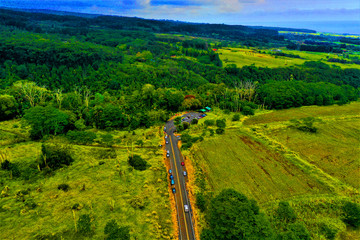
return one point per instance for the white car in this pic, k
(186, 208)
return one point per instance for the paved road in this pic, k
(186, 229)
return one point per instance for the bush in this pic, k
(209, 123)
(84, 224)
(247, 111)
(65, 187)
(220, 131)
(211, 132)
(352, 214)
(285, 212)
(236, 117)
(304, 124)
(137, 162)
(220, 123)
(328, 231)
(200, 202)
(186, 146)
(194, 121)
(11, 167)
(55, 156)
(81, 137)
(115, 232)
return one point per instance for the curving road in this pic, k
(186, 229)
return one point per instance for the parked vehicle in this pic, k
(171, 177)
(172, 182)
(173, 190)
(170, 171)
(168, 155)
(182, 164)
(185, 174)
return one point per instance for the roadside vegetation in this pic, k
(300, 165)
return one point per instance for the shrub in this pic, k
(186, 145)
(247, 111)
(137, 202)
(84, 224)
(11, 167)
(54, 156)
(137, 162)
(236, 117)
(209, 123)
(115, 232)
(328, 231)
(285, 212)
(81, 137)
(200, 202)
(220, 123)
(65, 187)
(304, 124)
(211, 132)
(220, 131)
(194, 121)
(352, 214)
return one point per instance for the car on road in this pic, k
(173, 190)
(172, 182)
(186, 208)
(185, 173)
(170, 171)
(171, 177)
(182, 164)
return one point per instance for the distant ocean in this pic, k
(341, 27)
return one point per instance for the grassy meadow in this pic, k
(264, 158)
(102, 185)
(244, 57)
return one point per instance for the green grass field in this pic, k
(244, 57)
(103, 187)
(266, 160)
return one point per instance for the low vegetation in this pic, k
(291, 162)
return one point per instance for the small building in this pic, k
(202, 110)
(208, 109)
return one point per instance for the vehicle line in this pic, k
(178, 182)
(177, 209)
(187, 199)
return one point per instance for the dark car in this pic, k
(173, 190)
(171, 177)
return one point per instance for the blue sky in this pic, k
(247, 12)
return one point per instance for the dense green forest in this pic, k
(101, 68)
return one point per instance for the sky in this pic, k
(286, 13)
